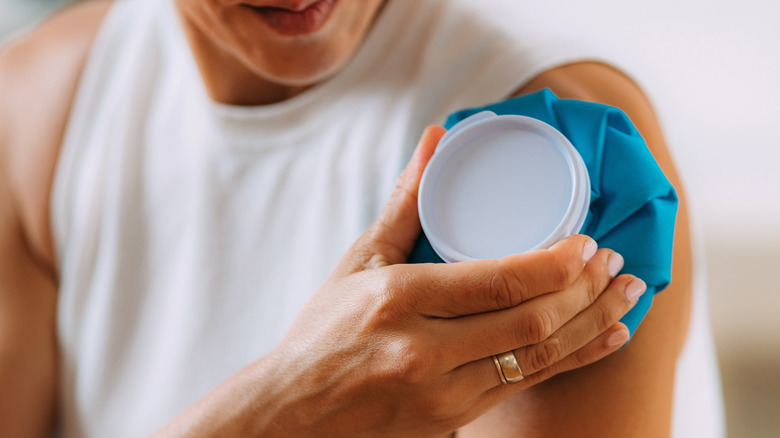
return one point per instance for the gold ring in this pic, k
(508, 369)
(498, 367)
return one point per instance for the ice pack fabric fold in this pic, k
(632, 205)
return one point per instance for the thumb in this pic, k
(390, 239)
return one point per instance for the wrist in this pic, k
(248, 404)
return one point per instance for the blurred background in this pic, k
(712, 69)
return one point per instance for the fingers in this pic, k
(391, 237)
(484, 372)
(590, 336)
(616, 301)
(533, 322)
(602, 346)
(586, 338)
(468, 288)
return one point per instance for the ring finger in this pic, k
(568, 342)
(484, 377)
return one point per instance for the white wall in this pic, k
(15, 14)
(712, 69)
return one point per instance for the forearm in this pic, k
(265, 399)
(244, 405)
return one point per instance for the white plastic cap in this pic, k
(502, 185)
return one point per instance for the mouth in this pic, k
(295, 19)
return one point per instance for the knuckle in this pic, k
(579, 359)
(567, 269)
(595, 280)
(593, 288)
(408, 363)
(537, 327)
(385, 315)
(386, 303)
(396, 281)
(571, 267)
(384, 281)
(502, 284)
(546, 354)
(605, 317)
(369, 250)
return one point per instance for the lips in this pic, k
(295, 18)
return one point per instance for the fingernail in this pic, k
(618, 338)
(589, 250)
(614, 264)
(635, 289)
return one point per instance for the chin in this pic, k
(292, 43)
(297, 61)
(299, 71)
(317, 53)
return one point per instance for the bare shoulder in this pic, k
(39, 71)
(39, 74)
(635, 385)
(597, 82)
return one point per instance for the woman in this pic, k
(206, 165)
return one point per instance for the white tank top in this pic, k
(189, 234)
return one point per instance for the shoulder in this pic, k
(602, 83)
(637, 383)
(51, 56)
(39, 75)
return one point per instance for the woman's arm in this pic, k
(38, 77)
(27, 333)
(385, 348)
(628, 394)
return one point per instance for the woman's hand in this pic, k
(406, 349)
(389, 349)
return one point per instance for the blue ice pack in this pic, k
(632, 204)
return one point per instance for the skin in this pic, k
(244, 63)
(629, 393)
(426, 391)
(38, 79)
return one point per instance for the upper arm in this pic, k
(27, 329)
(39, 73)
(630, 392)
